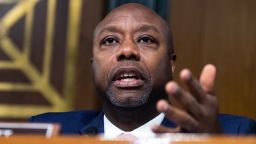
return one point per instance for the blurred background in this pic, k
(45, 51)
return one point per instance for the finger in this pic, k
(180, 117)
(187, 101)
(193, 85)
(162, 129)
(207, 78)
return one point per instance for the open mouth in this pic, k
(128, 78)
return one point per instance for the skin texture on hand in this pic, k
(200, 107)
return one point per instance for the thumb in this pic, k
(207, 78)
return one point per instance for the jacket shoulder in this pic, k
(232, 124)
(71, 122)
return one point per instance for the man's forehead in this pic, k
(124, 15)
(132, 9)
(137, 17)
(124, 20)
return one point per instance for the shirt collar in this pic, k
(111, 131)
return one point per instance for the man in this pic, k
(133, 61)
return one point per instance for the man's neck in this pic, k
(129, 119)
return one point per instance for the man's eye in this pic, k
(110, 41)
(146, 40)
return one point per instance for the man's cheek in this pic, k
(102, 76)
(98, 73)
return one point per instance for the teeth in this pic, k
(127, 76)
(128, 79)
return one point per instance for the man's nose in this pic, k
(128, 51)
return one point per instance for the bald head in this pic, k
(138, 12)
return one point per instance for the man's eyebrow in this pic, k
(145, 28)
(112, 28)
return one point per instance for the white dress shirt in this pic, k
(111, 131)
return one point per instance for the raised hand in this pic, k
(199, 110)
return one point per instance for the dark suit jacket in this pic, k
(91, 122)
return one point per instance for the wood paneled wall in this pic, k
(92, 13)
(222, 32)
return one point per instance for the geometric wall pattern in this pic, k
(38, 46)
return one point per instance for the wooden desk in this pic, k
(223, 140)
(34, 139)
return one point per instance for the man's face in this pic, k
(130, 57)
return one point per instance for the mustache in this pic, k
(130, 65)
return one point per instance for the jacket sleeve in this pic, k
(237, 125)
(247, 126)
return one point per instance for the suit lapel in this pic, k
(96, 126)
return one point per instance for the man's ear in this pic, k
(173, 61)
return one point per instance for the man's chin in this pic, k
(128, 99)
